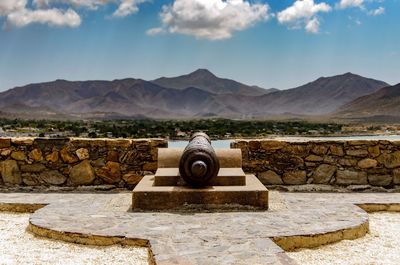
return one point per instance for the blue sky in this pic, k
(274, 43)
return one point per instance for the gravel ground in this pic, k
(19, 247)
(381, 246)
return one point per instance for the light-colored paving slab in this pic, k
(294, 220)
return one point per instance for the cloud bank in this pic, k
(21, 13)
(210, 19)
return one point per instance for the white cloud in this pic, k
(128, 7)
(53, 17)
(125, 7)
(303, 13)
(377, 12)
(8, 6)
(18, 13)
(312, 26)
(210, 19)
(343, 4)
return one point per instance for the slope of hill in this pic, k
(383, 103)
(207, 81)
(321, 96)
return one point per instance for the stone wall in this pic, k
(73, 162)
(353, 164)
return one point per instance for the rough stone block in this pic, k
(296, 177)
(10, 172)
(324, 173)
(396, 176)
(53, 177)
(18, 155)
(314, 158)
(270, 178)
(36, 155)
(367, 163)
(357, 152)
(5, 142)
(380, 180)
(82, 174)
(336, 150)
(391, 160)
(350, 177)
(33, 168)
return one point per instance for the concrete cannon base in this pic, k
(148, 197)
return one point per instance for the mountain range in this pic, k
(199, 94)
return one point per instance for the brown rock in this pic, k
(34, 168)
(296, 177)
(270, 178)
(53, 177)
(36, 155)
(18, 155)
(82, 153)
(30, 179)
(10, 172)
(323, 174)
(272, 145)
(336, 150)
(367, 163)
(374, 151)
(357, 152)
(152, 166)
(5, 142)
(396, 176)
(350, 177)
(110, 173)
(82, 174)
(132, 178)
(347, 162)
(68, 157)
(314, 158)
(113, 156)
(380, 180)
(390, 160)
(319, 149)
(53, 157)
(5, 152)
(254, 145)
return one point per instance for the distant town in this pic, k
(175, 129)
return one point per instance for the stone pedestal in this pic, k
(230, 190)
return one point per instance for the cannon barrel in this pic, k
(199, 163)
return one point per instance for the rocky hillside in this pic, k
(383, 103)
(321, 96)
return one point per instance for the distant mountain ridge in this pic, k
(196, 95)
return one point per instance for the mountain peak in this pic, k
(202, 73)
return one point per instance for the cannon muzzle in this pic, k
(199, 163)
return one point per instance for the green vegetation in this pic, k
(175, 129)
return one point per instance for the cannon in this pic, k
(199, 163)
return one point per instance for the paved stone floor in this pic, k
(294, 220)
